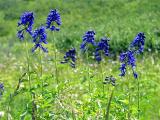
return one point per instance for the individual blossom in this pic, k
(123, 69)
(70, 57)
(137, 44)
(1, 89)
(127, 59)
(110, 80)
(53, 20)
(39, 36)
(89, 37)
(102, 46)
(25, 24)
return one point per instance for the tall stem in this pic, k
(29, 81)
(109, 104)
(41, 74)
(129, 100)
(55, 64)
(101, 67)
(28, 67)
(88, 71)
(41, 70)
(138, 98)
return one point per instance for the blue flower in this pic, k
(1, 86)
(39, 36)
(88, 38)
(110, 80)
(138, 43)
(98, 56)
(70, 56)
(123, 69)
(1, 89)
(102, 46)
(53, 17)
(25, 24)
(127, 58)
(131, 59)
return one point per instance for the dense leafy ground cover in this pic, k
(72, 93)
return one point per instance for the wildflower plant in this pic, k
(53, 23)
(70, 57)
(128, 59)
(88, 38)
(39, 37)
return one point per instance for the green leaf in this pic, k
(22, 116)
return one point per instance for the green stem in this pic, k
(88, 71)
(138, 99)
(55, 64)
(28, 67)
(40, 77)
(29, 80)
(109, 104)
(129, 100)
(101, 67)
(41, 70)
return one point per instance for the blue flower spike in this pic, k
(89, 37)
(53, 20)
(70, 57)
(25, 24)
(39, 36)
(137, 44)
(102, 46)
(1, 89)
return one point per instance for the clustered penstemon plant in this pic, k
(53, 22)
(88, 38)
(128, 59)
(39, 37)
(102, 47)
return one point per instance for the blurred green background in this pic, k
(121, 20)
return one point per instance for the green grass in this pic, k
(120, 20)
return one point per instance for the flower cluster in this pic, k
(102, 46)
(88, 38)
(110, 80)
(1, 89)
(138, 43)
(128, 58)
(39, 36)
(25, 24)
(70, 57)
(53, 17)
